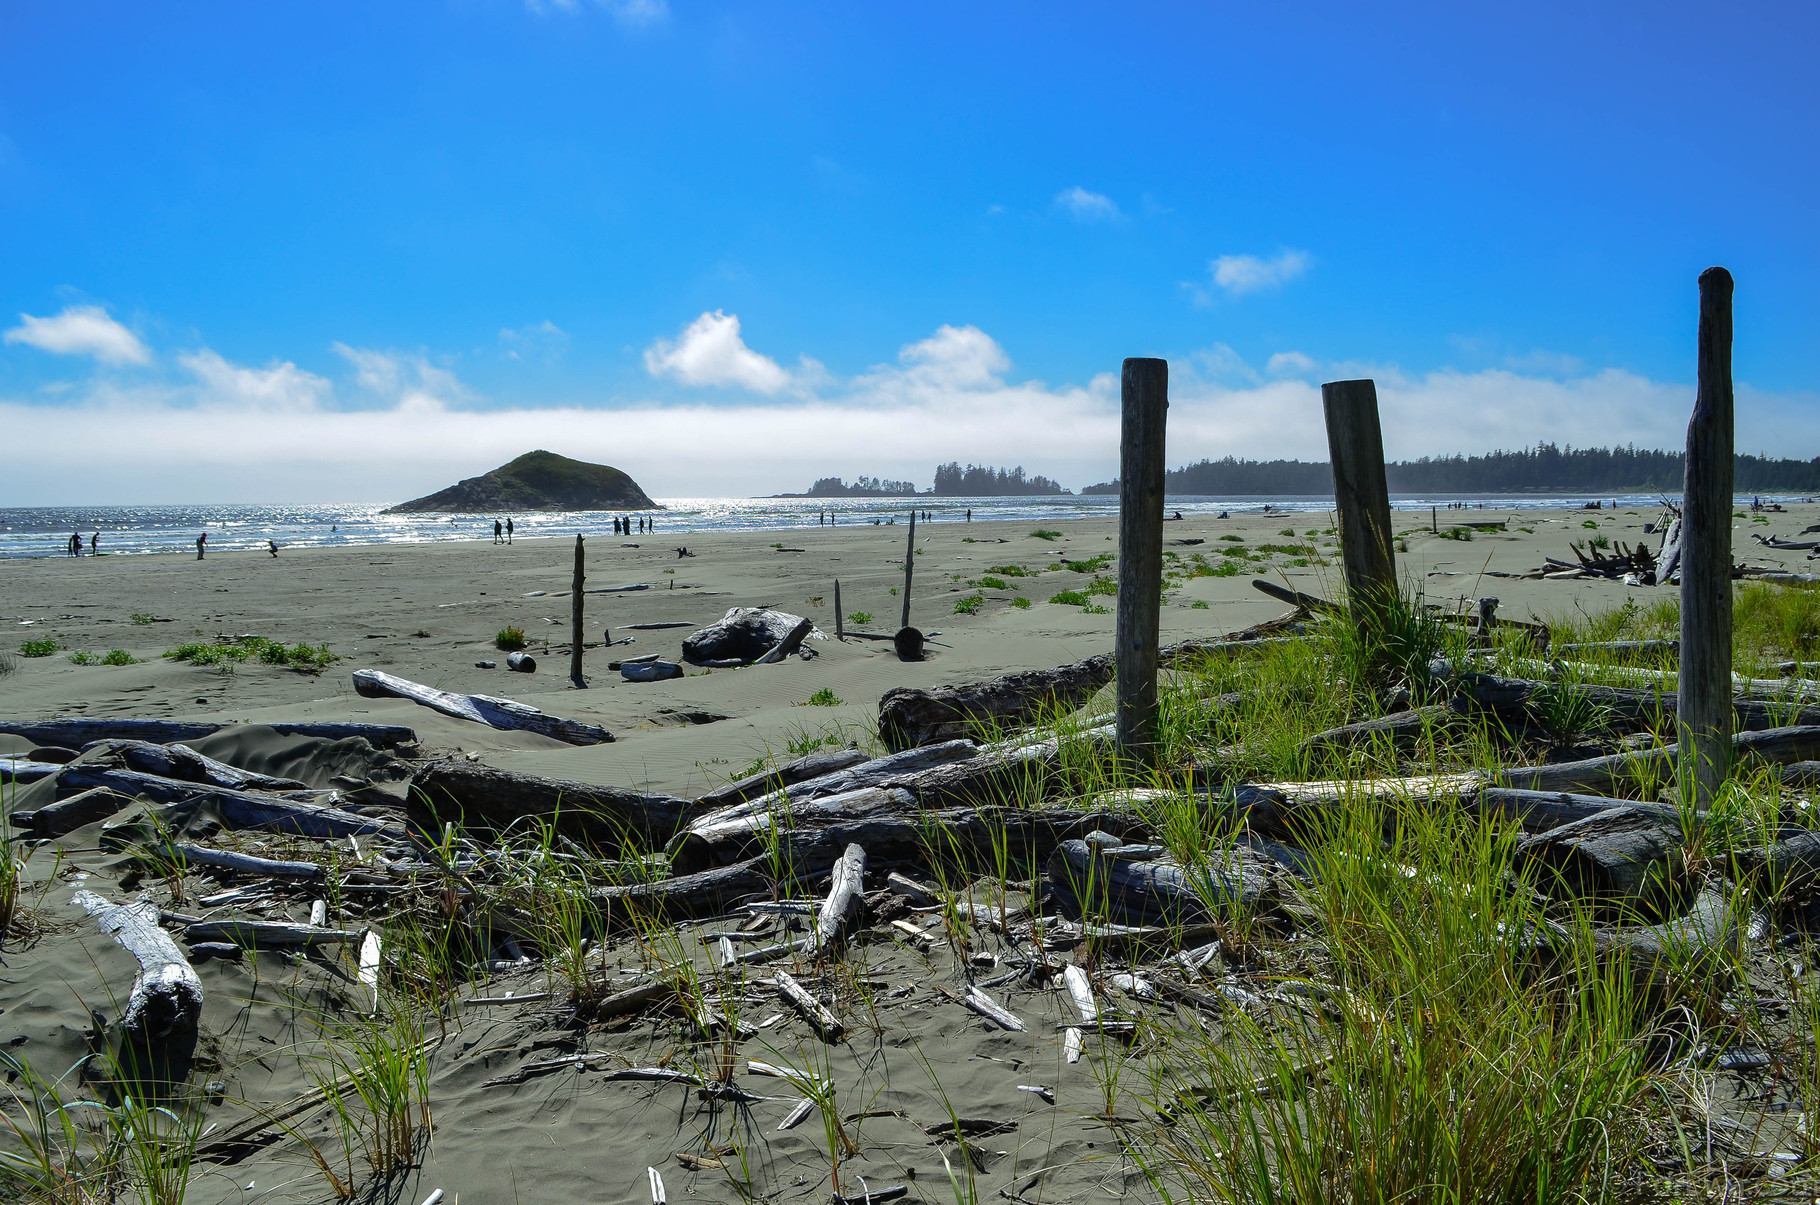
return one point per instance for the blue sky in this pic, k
(349, 252)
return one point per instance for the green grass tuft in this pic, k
(38, 648)
(969, 604)
(1043, 533)
(823, 698)
(509, 640)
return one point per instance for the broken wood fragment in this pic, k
(505, 714)
(798, 997)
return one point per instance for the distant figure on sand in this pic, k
(272, 546)
(73, 546)
(498, 532)
(969, 514)
(94, 544)
(508, 529)
(202, 543)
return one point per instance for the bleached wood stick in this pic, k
(1071, 1045)
(808, 1081)
(369, 965)
(166, 1000)
(842, 907)
(803, 1109)
(319, 913)
(221, 859)
(1081, 991)
(504, 714)
(798, 997)
(267, 932)
(983, 1004)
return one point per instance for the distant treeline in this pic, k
(1543, 468)
(951, 480)
(979, 481)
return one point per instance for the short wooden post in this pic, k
(909, 564)
(575, 620)
(1434, 519)
(1356, 444)
(840, 620)
(1704, 703)
(1144, 402)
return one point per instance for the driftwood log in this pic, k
(1400, 728)
(77, 733)
(482, 796)
(1095, 883)
(711, 892)
(803, 769)
(186, 765)
(504, 714)
(1608, 775)
(1541, 811)
(68, 815)
(908, 718)
(237, 809)
(1791, 864)
(840, 912)
(1517, 698)
(166, 1000)
(222, 859)
(1623, 856)
(269, 933)
(747, 635)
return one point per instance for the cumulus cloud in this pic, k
(1236, 275)
(1086, 206)
(81, 330)
(400, 425)
(710, 351)
(1289, 364)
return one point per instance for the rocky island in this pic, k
(537, 481)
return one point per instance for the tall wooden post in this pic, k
(575, 620)
(1144, 402)
(1704, 703)
(909, 564)
(840, 620)
(1356, 444)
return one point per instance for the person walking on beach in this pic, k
(508, 529)
(202, 543)
(94, 544)
(498, 532)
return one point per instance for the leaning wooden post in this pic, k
(575, 620)
(840, 630)
(1144, 401)
(909, 564)
(1704, 703)
(1356, 444)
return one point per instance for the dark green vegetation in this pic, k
(225, 653)
(509, 639)
(536, 481)
(981, 481)
(1541, 468)
(38, 648)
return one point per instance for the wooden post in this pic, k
(909, 564)
(1704, 703)
(1144, 401)
(1356, 444)
(840, 620)
(575, 621)
(1434, 519)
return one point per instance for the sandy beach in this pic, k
(370, 604)
(428, 613)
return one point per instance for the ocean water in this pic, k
(139, 530)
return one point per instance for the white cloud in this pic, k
(543, 340)
(281, 387)
(626, 12)
(226, 432)
(710, 351)
(1289, 364)
(1241, 274)
(1087, 206)
(81, 330)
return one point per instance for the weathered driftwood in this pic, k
(1704, 721)
(1100, 885)
(1627, 707)
(895, 833)
(1791, 864)
(483, 796)
(222, 859)
(166, 1000)
(747, 634)
(68, 815)
(908, 718)
(76, 733)
(815, 765)
(990, 1009)
(840, 912)
(268, 933)
(1144, 418)
(1623, 855)
(918, 895)
(1607, 775)
(368, 973)
(237, 809)
(1400, 728)
(797, 996)
(1622, 648)
(650, 671)
(1080, 991)
(22, 769)
(186, 765)
(710, 892)
(1541, 811)
(503, 714)
(1700, 942)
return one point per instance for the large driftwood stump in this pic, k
(504, 714)
(166, 1000)
(1097, 884)
(483, 796)
(840, 912)
(1623, 856)
(747, 634)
